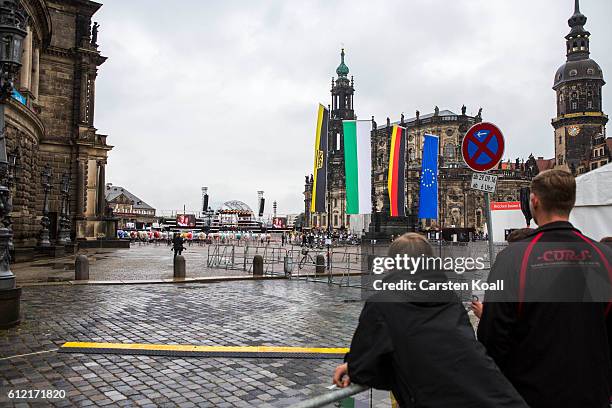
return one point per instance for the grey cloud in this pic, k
(224, 93)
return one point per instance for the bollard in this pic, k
(288, 265)
(320, 265)
(180, 269)
(81, 268)
(258, 266)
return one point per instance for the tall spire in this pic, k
(577, 20)
(342, 69)
(578, 37)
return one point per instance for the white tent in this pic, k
(593, 211)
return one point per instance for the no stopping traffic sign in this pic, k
(483, 146)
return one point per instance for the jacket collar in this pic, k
(556, 225)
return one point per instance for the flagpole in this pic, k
(328, 192)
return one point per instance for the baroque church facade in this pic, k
(50, 128)
(459, 206)
(580, 140)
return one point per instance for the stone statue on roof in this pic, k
(94, 33)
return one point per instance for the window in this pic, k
(449, 151)
(589, 104)
(338, 141)
(560, 140)
(411, 154)
(574, 105)
(573, 72)
(335, 219)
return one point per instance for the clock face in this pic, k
(573, 130)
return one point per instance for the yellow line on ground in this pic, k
(27, 354)
(195, 348)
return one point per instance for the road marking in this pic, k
(28, 354)
(211, 351)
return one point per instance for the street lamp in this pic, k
(64, 232)
(13, 22)
(45, 181)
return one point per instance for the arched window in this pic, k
(449, 151)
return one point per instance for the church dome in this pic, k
(575, 70)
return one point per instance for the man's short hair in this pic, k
(411, 244)
(556, 190)
(519, 234)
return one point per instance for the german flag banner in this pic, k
(319, 186)
(397, 172)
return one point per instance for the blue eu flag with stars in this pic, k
(428, 191)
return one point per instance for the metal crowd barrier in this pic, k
(331, 397)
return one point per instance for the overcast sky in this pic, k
(224, 93)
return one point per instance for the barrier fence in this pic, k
(338, 265)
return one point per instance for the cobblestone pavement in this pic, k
(290, 313)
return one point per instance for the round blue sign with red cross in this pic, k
(483, 146)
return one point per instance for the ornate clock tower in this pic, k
(580, 122)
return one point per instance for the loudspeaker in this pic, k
(524, 193)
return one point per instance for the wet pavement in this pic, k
(155, 262)
(275, 313)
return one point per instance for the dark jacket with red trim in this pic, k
(555, 353)
(428, 355)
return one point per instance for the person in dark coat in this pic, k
(422, 347)
(549, 330)
(178, 244)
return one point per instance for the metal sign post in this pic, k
(483, 148)
(487, 200)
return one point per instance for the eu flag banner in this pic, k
(428, 191)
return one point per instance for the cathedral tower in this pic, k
(342, 92)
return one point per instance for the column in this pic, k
(101, 193)
(26, 62)
(35, 71)
(91, 98)
(80, 190)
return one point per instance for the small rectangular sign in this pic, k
(484, 182)
(505, 205)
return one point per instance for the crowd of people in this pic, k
(526, 352)
(314, 239)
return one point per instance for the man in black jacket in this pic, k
(548, 330)
(421, 346)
